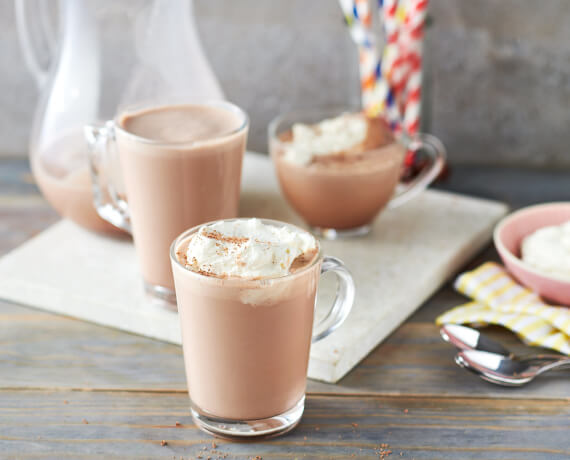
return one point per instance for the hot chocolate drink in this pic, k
(339, 173)
(246, 292)
(246, 328)
(181, 165)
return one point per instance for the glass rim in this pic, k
(134, 108)
(213, 279)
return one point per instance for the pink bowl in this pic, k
(508, 237)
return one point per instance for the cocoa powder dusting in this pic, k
(215, 235)
(182, 258)
(302, 260)
(299, 262)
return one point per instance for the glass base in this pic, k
(161, 296)
(247, 429)
(333, 234)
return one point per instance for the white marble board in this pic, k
(410, 252)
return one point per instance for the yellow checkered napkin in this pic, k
(500, 300)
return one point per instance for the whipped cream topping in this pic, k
(328, 137)
(246, 248)
(548, 250)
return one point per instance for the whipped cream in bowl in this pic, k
(534, 246)
(548, 250)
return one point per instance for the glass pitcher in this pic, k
(107, 53)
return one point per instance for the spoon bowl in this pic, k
(506, 370)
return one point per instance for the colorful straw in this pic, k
(390, 72)
(375, 90)
(414, 25)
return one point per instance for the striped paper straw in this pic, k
(390, 75)
(376, 93)
(415, 20)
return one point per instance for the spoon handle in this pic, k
(541, 357)
(540, 360)
(554, 365)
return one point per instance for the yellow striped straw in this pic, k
(498, 299)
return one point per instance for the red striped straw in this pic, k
(414, 27)
(392, 61)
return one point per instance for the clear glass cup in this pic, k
(342, 200)
(155, 189)
(246, 342)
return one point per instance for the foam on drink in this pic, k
(329, 137)
(248, 248)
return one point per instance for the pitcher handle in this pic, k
(343, 301)
(434, 149)
(25, 18)
(108, 190)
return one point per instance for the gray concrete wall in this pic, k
(500, 72)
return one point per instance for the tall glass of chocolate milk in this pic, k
(181, 166)
(246, 293)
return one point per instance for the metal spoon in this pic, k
(504, 370)
(466, 338)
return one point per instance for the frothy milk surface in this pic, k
(181, 123)
(248, 248)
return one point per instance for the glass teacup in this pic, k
(341, 195)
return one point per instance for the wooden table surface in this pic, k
(70, 389)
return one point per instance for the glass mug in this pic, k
(168, 186)
(246, 342)
(343, 200)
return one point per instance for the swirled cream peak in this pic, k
(329, 137)
(247, 248)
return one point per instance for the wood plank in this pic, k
(23, 212)
(130, 424)
(16, 177)
(22, 218)
(75, 354)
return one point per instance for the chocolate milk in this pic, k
(345, 190)
(181, 165)
(246, 342)
(69, 192)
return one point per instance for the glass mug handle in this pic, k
(343, 301)
(108, 190)
(435, 150)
